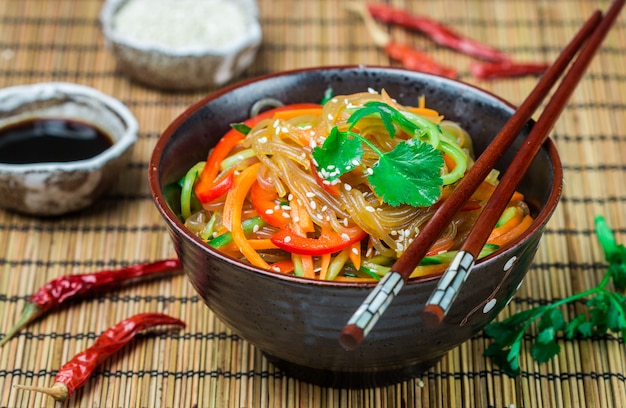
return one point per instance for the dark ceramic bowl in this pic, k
(296, 322)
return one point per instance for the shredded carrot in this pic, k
(428, 270)
(449, 162)
(261, 244)
(355, 255)
(513, 233)
(308, 266)
(430, 114)
(290, 114)
(285, 266)
(507, 226)
(232, 214)
(325, 261)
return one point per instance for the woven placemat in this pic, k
(206, 365)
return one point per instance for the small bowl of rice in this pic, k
(182, 45)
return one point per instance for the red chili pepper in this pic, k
(206, 181)
(416, 60)
(73, 374)
(264, 202)
(507, 69)
(438, 32)
(328, 243)
(69, 287)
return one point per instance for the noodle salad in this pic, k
(338, 190)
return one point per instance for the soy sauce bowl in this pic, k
(296, 322)
(51, 188)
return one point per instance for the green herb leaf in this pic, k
(409, 174)
(340, 154)
(387, 114)
(241, 128)
(543, 352)
(606, 311)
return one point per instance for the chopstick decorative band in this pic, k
(448, 287)
(366, 316)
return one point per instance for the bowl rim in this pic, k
(119, 146)
(252, 38)
(159, 200)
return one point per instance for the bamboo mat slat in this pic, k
(207, 365)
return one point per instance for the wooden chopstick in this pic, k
(366, 316)
(461, 266)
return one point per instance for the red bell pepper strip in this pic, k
(330, 188)
(438, 32)
(264, 202)
(416, 60)
(328, 243)
(222, 149)
(507, 69)
(217, 190)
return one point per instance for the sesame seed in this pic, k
(369, 252)
(285, 129)
(371, 90)
(313, 205)
(290, 197)
(255, 228)
(286, 207)
(310, 194)
(347, 186)
(287, 238)
(400, 247)
(355, 251)
(370, 208)
(269, 211)
(324, 208)
(345, 221)
(369, 171)
(263, 139)
(355, 162)
(330, 117)
(286, 215)
(345, 236)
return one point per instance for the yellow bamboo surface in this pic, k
(207, 365)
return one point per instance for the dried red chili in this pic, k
(438, 32)
(70, 287)
(73, 374)
(416, 60)
(507, 69)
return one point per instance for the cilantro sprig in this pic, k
(606, 311)
(408, 174)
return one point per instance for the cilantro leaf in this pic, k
(606, 311)
(415, 166)
(387, 114)
(339, 154)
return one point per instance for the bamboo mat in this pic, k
(206, 365)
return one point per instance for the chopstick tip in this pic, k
(432, 316)
(351, 337)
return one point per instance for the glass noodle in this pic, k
(338, 190)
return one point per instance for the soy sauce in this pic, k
(51, 140)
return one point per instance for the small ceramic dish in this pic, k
(296, 322)
(58, 187)
(185, 61)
